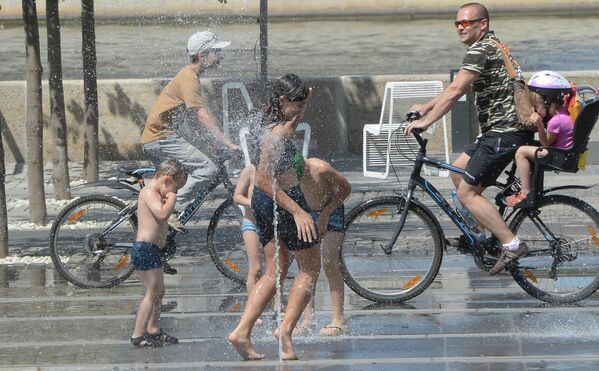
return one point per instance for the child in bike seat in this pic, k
(155, 204)
(550, 95)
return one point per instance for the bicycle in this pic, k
(393, 245)
(91, 238)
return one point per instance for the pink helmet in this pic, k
(550, 84)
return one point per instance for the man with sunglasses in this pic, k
(180, 124)
(501, 133)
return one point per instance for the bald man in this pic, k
(484, 160)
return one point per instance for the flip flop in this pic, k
(300, 330)
(330, 330)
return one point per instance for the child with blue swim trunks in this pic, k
(155, 204)
(249, 229)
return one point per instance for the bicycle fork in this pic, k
(404, 208)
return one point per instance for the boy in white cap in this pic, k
(180, 125)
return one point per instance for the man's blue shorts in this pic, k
(145, 256)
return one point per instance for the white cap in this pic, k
(202, 41)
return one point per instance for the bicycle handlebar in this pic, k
(412, 116)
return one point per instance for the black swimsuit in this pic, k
(263, 204)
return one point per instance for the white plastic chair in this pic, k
(225, 95)
(378, 153)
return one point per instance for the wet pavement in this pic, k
(465, 320)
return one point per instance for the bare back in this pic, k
(319, 183)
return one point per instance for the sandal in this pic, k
(145, 341)
(163, 338)
(513, 200)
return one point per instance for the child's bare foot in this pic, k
(244, 347)
(287, 354)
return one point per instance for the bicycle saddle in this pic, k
(137, 172)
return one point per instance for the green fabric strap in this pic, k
(299, 164)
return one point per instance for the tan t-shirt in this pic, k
(183, 89)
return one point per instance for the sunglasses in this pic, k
(215, 51)
(466, 22)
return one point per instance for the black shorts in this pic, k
(263, 209)
(490, 154)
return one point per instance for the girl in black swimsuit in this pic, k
(276, 175)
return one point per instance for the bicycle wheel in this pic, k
(80, 250)
(225, 242)
(564, 270)
(413, 262)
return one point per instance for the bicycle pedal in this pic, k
(461, 244)
(171, 271)
(176, 224)
(181, 229)
(166, 268)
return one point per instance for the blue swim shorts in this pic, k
(247, 226)
(145, 256)
(336, 220)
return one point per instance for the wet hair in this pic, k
(289, 86)
(171, 168)
(481, 10)
(194, 58)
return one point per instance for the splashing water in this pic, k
(278, 295)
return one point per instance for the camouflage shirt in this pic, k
(494, 95)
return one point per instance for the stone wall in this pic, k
(340, 108)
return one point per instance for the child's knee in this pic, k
(520, 154)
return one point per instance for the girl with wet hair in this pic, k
(277, 186)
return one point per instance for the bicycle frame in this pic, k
(416, 180)
(222, 177)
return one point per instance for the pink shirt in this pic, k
(561, 125)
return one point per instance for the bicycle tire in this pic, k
(78, 250)
(407, 271)
(575, 223)
(225, 242)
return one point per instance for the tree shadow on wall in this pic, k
(77, 112)
(11, 143)
(119, 105)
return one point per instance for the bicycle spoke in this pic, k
(82, 249)
(565, 268)
(400, 274)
